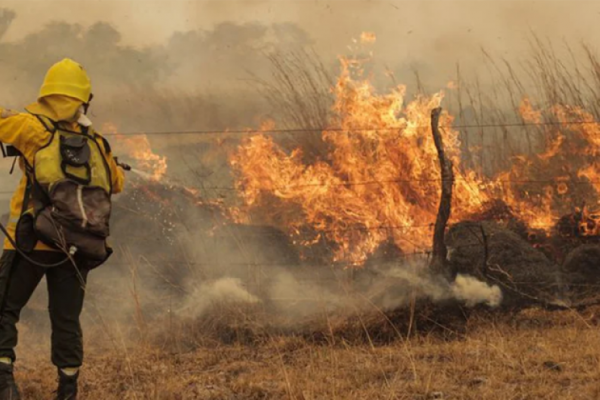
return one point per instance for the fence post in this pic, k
(439, 265)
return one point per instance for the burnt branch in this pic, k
(486, 251)
(439, 264)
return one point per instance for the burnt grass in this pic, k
(555, 270)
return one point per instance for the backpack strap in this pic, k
(50, 125)
(35, 189)
(27, 195)
(105, 151)
(29, 168)
(25, 239)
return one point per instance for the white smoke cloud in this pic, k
(472, 291)
(294, 297)
(222, 291)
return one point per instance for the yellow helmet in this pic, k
(67, 78)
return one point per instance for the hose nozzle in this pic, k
(126, 167)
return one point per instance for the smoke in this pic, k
(305, 294)
(98, 48)
(213, 44)
(6, 17)
(472, 291)
(191, 261)
(216, 59)
(403, 282)
(224, 291)
(299, 299)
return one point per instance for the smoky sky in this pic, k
(193, 59)
(434, 34)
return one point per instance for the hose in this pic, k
(25, 256)
(68, 257)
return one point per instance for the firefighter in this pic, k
(58, 220)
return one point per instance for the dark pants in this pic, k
(18, 280)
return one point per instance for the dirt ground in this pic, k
(533, 354)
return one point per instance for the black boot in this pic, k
(8, 387)
(67, 386)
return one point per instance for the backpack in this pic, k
(70, 188)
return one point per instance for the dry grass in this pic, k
(534, 354)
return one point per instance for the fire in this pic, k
(379, 183)
(543, 187)
(528, 113)
(368, 37)
(590, 223)
(138, 148)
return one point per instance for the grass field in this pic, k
(532, 354)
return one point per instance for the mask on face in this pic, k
(83, 119)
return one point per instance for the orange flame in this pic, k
(368, 37)
(542, 188)
(138, 148)
(528, 113)
(380, 182)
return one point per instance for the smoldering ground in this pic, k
(199, 265)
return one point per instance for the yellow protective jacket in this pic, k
(27, 134)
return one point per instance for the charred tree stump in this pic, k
(439, 265)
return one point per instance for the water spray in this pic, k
(138, 172)
(141, 174)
